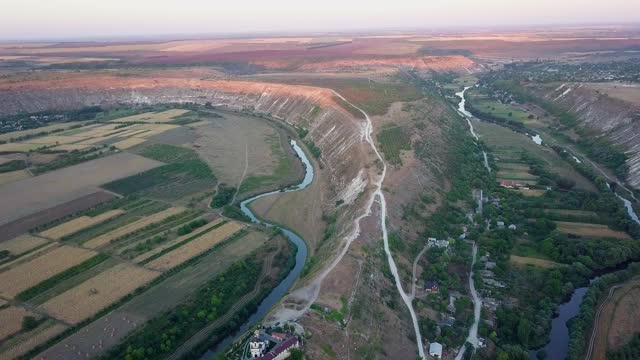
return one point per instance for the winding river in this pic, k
(301, 255)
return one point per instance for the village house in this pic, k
(435, 350)
(283, 349)
(511, 184)
(440, 244)
(432, 287)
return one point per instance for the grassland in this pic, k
(281, 173)
(393, 140)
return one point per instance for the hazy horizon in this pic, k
(76, 19)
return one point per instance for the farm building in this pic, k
(435, 350)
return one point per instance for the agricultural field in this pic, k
(28, 196)
(508, 147)
(25, 275)
(134, 226)
(193, 248)
(183, 174)
(153, 117)
(21, 245)
(619, 319)
(93, 295)
(590, 230)
(542, 263)
(79, 224)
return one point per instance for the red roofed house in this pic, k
(282, 350)
(278, 336)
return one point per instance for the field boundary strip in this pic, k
(175, 243)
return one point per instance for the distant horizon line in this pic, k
(444, 29)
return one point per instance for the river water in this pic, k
(301, 255)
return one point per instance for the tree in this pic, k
(524, 330)
(296, 354)
(29, 323)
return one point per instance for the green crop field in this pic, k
(184, 174)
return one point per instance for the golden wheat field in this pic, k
(128, 143)
(102, 290)
(22, 244)
(175, 241)
(154, 117)
(11, 320)
(105, 239)
(30, 273)
(12, 176)
(195, 247)
(78, 224)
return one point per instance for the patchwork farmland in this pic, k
(107, 225)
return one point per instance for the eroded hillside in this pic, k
(616, 118)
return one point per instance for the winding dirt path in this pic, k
(592, 339)
(244, 172)
(415, 269)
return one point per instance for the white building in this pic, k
(441, 244)
(257, 347)
(435, 350)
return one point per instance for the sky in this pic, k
(50, 19)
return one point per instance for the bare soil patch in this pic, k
(590, 230)
(11, 320)
(546, 264)
(28, 342)
(24, 224)
(13, 176)
(31, 195)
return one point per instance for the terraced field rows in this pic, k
(136, 225)
(195, 247)
(26, 275)
(78, 224)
